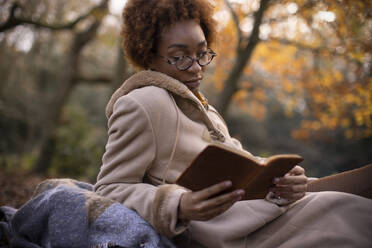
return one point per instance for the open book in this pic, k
(218, 162)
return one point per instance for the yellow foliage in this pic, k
(257, 110)
(288, 112)
(319, 97)
(259, 94)
(315, 125)
(311, 125)
(246, 85)
(349, 98)
(337, 75)
(349, 133)
(332, 123)
(367, 133)
(218, 78)
(301, 134)
(288, 86)
(358, 56)
(358, 115)
(240, 95)
(308, 69)
(248, 70)
(345, 122)
(326, 79)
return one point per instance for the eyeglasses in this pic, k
(183, 63)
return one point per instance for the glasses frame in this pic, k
(210, 51)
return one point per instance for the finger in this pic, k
(212, 190)
(291, 180)
(216, 211)
(223, 199)
(297, 170)
(292, 197)
(296, 188)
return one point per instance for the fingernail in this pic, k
(276, 180)
(239, 192)
(228, 183)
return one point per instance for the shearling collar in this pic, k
(150, 78)
(158, 79)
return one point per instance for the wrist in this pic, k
(180, 214)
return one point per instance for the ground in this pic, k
(16, 188)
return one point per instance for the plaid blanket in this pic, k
(65, 213)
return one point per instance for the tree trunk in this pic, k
(242, 60)
(67, 83)
(54, 112)
(122, 71)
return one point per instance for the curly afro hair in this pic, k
(143, 21)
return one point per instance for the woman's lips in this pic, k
(192, 84)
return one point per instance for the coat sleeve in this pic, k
(130, 152)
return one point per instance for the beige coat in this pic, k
(156, 127)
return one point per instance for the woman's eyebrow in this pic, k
(178, 45)
(202, 43)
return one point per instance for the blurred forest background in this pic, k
(291, 76)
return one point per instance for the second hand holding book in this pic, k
(218, 163)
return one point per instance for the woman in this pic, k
(159, 121)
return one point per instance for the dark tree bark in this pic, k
(122, 71)
(243, 54)
(14, 21)
(68, 81)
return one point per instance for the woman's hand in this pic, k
(292, 186)
(204, 205)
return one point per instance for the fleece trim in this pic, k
(165, 222)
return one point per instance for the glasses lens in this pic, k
(184, 63)
(205, 59)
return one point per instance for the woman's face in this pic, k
(185, 38)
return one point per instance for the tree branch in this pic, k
(276, 20)
(236, 21)
(258, 15)
(242, 60)
(68, 81)
(14, 21)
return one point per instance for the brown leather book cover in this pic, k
(217, 163)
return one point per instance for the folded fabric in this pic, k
(66, 213)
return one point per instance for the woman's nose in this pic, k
(195, 67)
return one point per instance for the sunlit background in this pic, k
(223, 16)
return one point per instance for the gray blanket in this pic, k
(65, 213)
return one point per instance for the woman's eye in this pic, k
(203, 54)
(177, 58)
